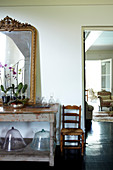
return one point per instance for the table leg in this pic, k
(51, 161)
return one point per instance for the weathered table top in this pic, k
(27, 113)
(27, 109)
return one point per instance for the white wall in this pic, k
(59, 30)
(99, 55)
(93, 75)
(60, 44)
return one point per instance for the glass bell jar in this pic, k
(41, 141)
(13, 141)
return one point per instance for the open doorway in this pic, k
(98, 75)
(98, 61)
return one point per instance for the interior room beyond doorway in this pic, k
(98, 61)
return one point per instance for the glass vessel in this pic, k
(41, 141)
(5, 99)
(51, 100)
(13, 141)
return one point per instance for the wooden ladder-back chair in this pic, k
(73, 112)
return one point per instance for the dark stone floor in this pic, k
(99, 147)
(98, 153)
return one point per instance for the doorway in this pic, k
(97, 63)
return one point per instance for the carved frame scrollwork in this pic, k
(9, 24)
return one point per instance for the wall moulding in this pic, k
(54, 3)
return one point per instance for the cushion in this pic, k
(109, 100)
(106, 97)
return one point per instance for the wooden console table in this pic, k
(30, 114)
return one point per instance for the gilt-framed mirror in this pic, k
(18, 56)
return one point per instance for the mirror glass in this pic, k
(17, 56)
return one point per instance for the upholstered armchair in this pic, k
(105, 99)
(89, 111)
(89, 115)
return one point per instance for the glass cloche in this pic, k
(41, 141)
(13, 140)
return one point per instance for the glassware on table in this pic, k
(13, 141)
(44, 102)
(51, 100)
(41, 141)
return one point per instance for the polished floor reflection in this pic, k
(99, 147)
(98, 152)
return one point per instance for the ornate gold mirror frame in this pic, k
(9, 25)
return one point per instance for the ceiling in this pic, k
(103, 41)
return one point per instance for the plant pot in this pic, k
(5, 99)
(16, 104)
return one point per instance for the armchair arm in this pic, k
(100, 100)
(90, 108)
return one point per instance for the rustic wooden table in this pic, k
(30, 114)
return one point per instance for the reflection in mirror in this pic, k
(17, 57)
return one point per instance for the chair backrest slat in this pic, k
(71, 114)
(71, 121)
(74, 112)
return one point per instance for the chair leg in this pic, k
(101, 108)
(61, 143)
(82, 144)
(79, 140)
